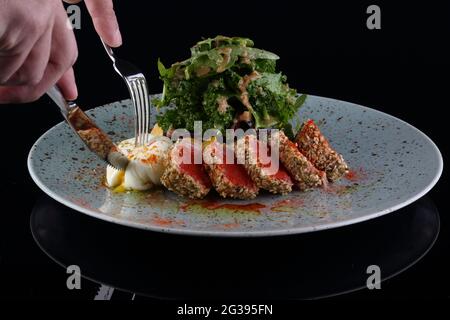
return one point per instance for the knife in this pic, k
(93, 137)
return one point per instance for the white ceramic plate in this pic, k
(393, 164)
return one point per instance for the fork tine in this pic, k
(139, 111)
(136, 112)
(141, 95)
(146, 109)
(142, 110)
(136, 118)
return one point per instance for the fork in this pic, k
(137, 86)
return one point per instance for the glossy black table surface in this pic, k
(305, 266)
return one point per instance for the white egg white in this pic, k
(146, 164)
(114, 177)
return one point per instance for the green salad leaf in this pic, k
(223, 78)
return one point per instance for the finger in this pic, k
(68, 86)
(105, 21)
(72, 1)
(52, 75)
(32, 70)
(12, 60)
(62, 56)
(24, 94)
(9, 95)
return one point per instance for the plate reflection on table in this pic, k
(304, 266)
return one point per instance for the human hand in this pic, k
(104, 19)
(37, 50)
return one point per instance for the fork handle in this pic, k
(109, 50)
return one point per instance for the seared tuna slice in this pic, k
(317, 149)
(249, 149)
(305, 175)
(185, 177)
(228, 178)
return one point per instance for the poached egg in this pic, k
(146, 166)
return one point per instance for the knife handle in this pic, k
(65, 107)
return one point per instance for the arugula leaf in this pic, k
(265, 65)
(162, 69)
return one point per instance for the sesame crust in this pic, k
(181, 183)
(254, 170)
(317, 149)
(305, 175)
(266, 182)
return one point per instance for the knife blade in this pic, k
(93, 137)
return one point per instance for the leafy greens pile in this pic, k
(223, 78)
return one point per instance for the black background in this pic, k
(325, 49)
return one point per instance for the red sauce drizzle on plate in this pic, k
(215, 205)
(251, 207)
(355, 175)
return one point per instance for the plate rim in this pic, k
(248, 233)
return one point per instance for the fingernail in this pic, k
(118, 37)
(75, 93)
